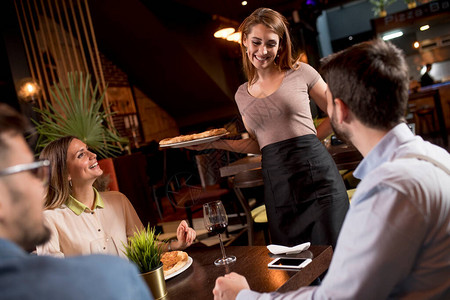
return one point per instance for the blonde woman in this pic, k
(83, 220)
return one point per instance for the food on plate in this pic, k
(195, 136)
(173, 261)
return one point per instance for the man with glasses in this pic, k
(23, 276)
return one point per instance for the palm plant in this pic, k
(144, 249)
(78, 113)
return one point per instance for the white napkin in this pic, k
(278, 249)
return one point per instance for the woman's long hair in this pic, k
(278, 24)
(59, 188)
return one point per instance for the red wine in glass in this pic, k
(216, 221)
(217, 228)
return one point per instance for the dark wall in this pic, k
(11, 54)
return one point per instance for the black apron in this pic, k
(305, 196)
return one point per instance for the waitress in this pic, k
(305, 197)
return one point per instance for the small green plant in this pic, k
(78, 113)
(144, 249)
(380, 6)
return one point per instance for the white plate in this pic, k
(184, 268)
(194, 142)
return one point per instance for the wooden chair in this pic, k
(190, 191)
(425, 116)
(133, 181)
(254, 214)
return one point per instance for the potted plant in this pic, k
(411, 3)
(145, 251)
(79, 113)
(379, 7)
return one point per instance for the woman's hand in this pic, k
(185, 236)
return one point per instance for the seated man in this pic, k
(426, 78)
(24, 276)
(395, 239)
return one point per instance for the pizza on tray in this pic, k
(195, 136)
(173, 261)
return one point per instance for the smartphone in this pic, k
(289, 263)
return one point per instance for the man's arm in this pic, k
(376, 249)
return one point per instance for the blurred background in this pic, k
(163, 70)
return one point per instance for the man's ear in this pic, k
(341, 111)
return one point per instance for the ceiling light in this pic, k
(244, 3)
(424, 27)
(234, 37)
(224, 32)
(416, 45)
(392, 35)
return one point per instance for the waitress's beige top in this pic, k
(77, 230)
(285, 113)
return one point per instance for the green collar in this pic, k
(77, 207)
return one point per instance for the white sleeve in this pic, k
(131, 217)
(302, 293)
(52, 247)
(377, 247)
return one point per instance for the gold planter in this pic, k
(382, 14)
(155, 281)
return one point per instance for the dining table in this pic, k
(346, 157)
(198, 280)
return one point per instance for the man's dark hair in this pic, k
(11, 121)
(371, 78)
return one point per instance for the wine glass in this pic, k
(216, 221)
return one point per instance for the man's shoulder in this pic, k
(83, 277)
(89, 264)
(410, 175)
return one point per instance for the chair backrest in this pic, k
(133, 182)
(208, 166)
(249, 178)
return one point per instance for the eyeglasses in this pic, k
(40, 169)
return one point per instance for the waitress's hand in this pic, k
(185, 236)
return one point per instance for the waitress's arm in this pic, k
(318, 93)
(249, 145)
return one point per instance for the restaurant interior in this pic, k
(164, 73)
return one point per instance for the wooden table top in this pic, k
(198, 281)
